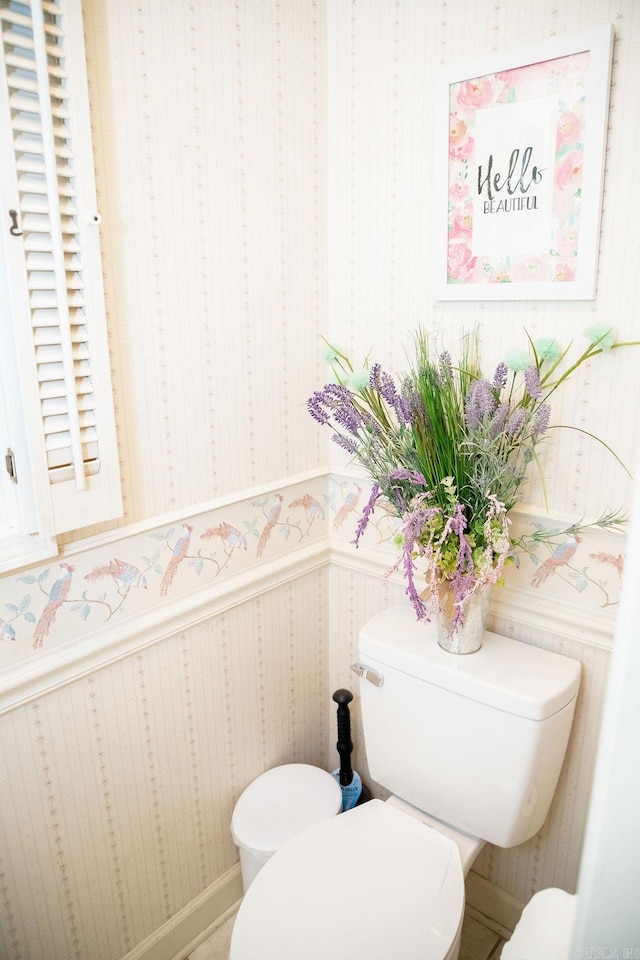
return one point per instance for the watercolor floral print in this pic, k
(562, 79)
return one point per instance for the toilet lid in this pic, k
(282, 802)
(371, 883)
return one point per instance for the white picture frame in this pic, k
(520, 140)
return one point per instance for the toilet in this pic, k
(470, 748)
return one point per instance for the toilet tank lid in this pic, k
(505, 673)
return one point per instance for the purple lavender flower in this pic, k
(366, 513)
(335, 398)
(335, 391)
(336, 401)
(458, 522)
(541, 420)
(516, 422)
(344, 442)
(348, 416)
(445, 365)
(315, 408)
(374, 376)
(532, 381)
(389, 392)
(404, 406)
(411, 592)
(395, 493)
(499, 419)
(370, 423)
(414, 525)
(500, 376)
(411, 475)
(480, 403)
(388, 389)
(411, 401)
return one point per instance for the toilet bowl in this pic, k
(372, 882)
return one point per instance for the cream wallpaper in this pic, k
(209, 126)
(117, 790)
(265, 175)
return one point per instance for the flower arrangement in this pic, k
(449, 452)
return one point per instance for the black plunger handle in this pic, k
(343, 698)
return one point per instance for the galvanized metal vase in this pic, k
(466, 636)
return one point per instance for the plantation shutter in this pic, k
(55, 274)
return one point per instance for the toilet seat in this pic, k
(371, 883)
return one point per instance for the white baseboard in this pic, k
(180, 935)
(492, 903)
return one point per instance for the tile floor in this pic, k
(479, 942)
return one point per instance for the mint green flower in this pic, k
(547, 349)
(517, 360)
(329, 355)
(601, 335)
(359, 380)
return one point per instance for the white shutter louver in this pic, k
(55, 215)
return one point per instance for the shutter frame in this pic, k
(88, 492)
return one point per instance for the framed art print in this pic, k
(520, 149)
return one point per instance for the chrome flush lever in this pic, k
(368, 673)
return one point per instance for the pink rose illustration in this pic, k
(523, 83)
(530, 269)
(457, 129)
(460, 144)
(458, 190)
(568, 174)
(564, 271)
(462, 222)
(567, 183)
(491, 270)
(462, 150)
(569, 76)
(460, 262)
(567, 243)
(501, 277)
(474, 94)
(569, 130)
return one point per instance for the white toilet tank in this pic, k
(476, 741)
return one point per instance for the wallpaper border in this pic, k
(264, 538)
